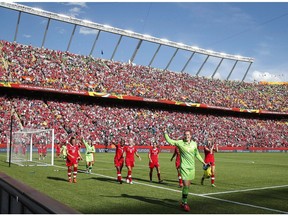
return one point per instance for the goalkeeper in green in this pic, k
(188, 151)
(90, 150)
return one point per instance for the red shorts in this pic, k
(71, 161)
(129, 163)
(212, 162)
(153, 164)
(119, 162)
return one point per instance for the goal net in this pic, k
(31, 147)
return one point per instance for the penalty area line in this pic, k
(199, 195)
(218, 199)
(245, 204)
(245, 190)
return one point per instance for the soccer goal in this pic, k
(31, 147)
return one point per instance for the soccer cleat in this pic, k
(74, 180)
(70, 180)
(120, 181)
(127, 180)
(161, 181)
(213, 185)
(131, 182)
(185, 206)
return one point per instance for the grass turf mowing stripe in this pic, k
(206, 195)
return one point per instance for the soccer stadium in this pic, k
(50, 96)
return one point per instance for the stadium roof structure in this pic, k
(131, 35)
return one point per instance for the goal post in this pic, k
(31, 147)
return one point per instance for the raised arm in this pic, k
(84, 142)
(169, 140)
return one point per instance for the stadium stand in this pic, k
(101, 121)
(63, 70)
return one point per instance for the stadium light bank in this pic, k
(127, 33)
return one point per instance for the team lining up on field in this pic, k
(185, 151)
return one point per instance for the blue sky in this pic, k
(258, 30)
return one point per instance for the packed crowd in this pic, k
(107, 124)
(64, 70)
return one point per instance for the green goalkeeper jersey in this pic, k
(188, 152)
(63, 150)
(89, 149)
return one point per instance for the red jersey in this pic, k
(154, 152)
(42, 149)
(23, 149)
(58, 149)
(130, 151)
(119, 152)
(118, 158)
(16, 149)
(72, 150)
(209, 157)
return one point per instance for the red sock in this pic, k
(75, 172)
(119, 177)
(212, 179)
(180, 178)
(69, 172)
(130, 175)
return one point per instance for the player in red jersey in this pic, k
(119, 159)
(44, 151)
(129, 159)
(73, 155)
(154, 161)
(209, 150)
(177, 164)
(16, 148)
(41, 151)
(24, 149)
(58, 150)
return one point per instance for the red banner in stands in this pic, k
(134, 98)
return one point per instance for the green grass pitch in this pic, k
(247, 183)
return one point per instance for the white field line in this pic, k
(206, 195)
(244, 190)
(245, 204)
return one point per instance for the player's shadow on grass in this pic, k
(161, 202)
(56, 178)
(165, 182)
(105, 179)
